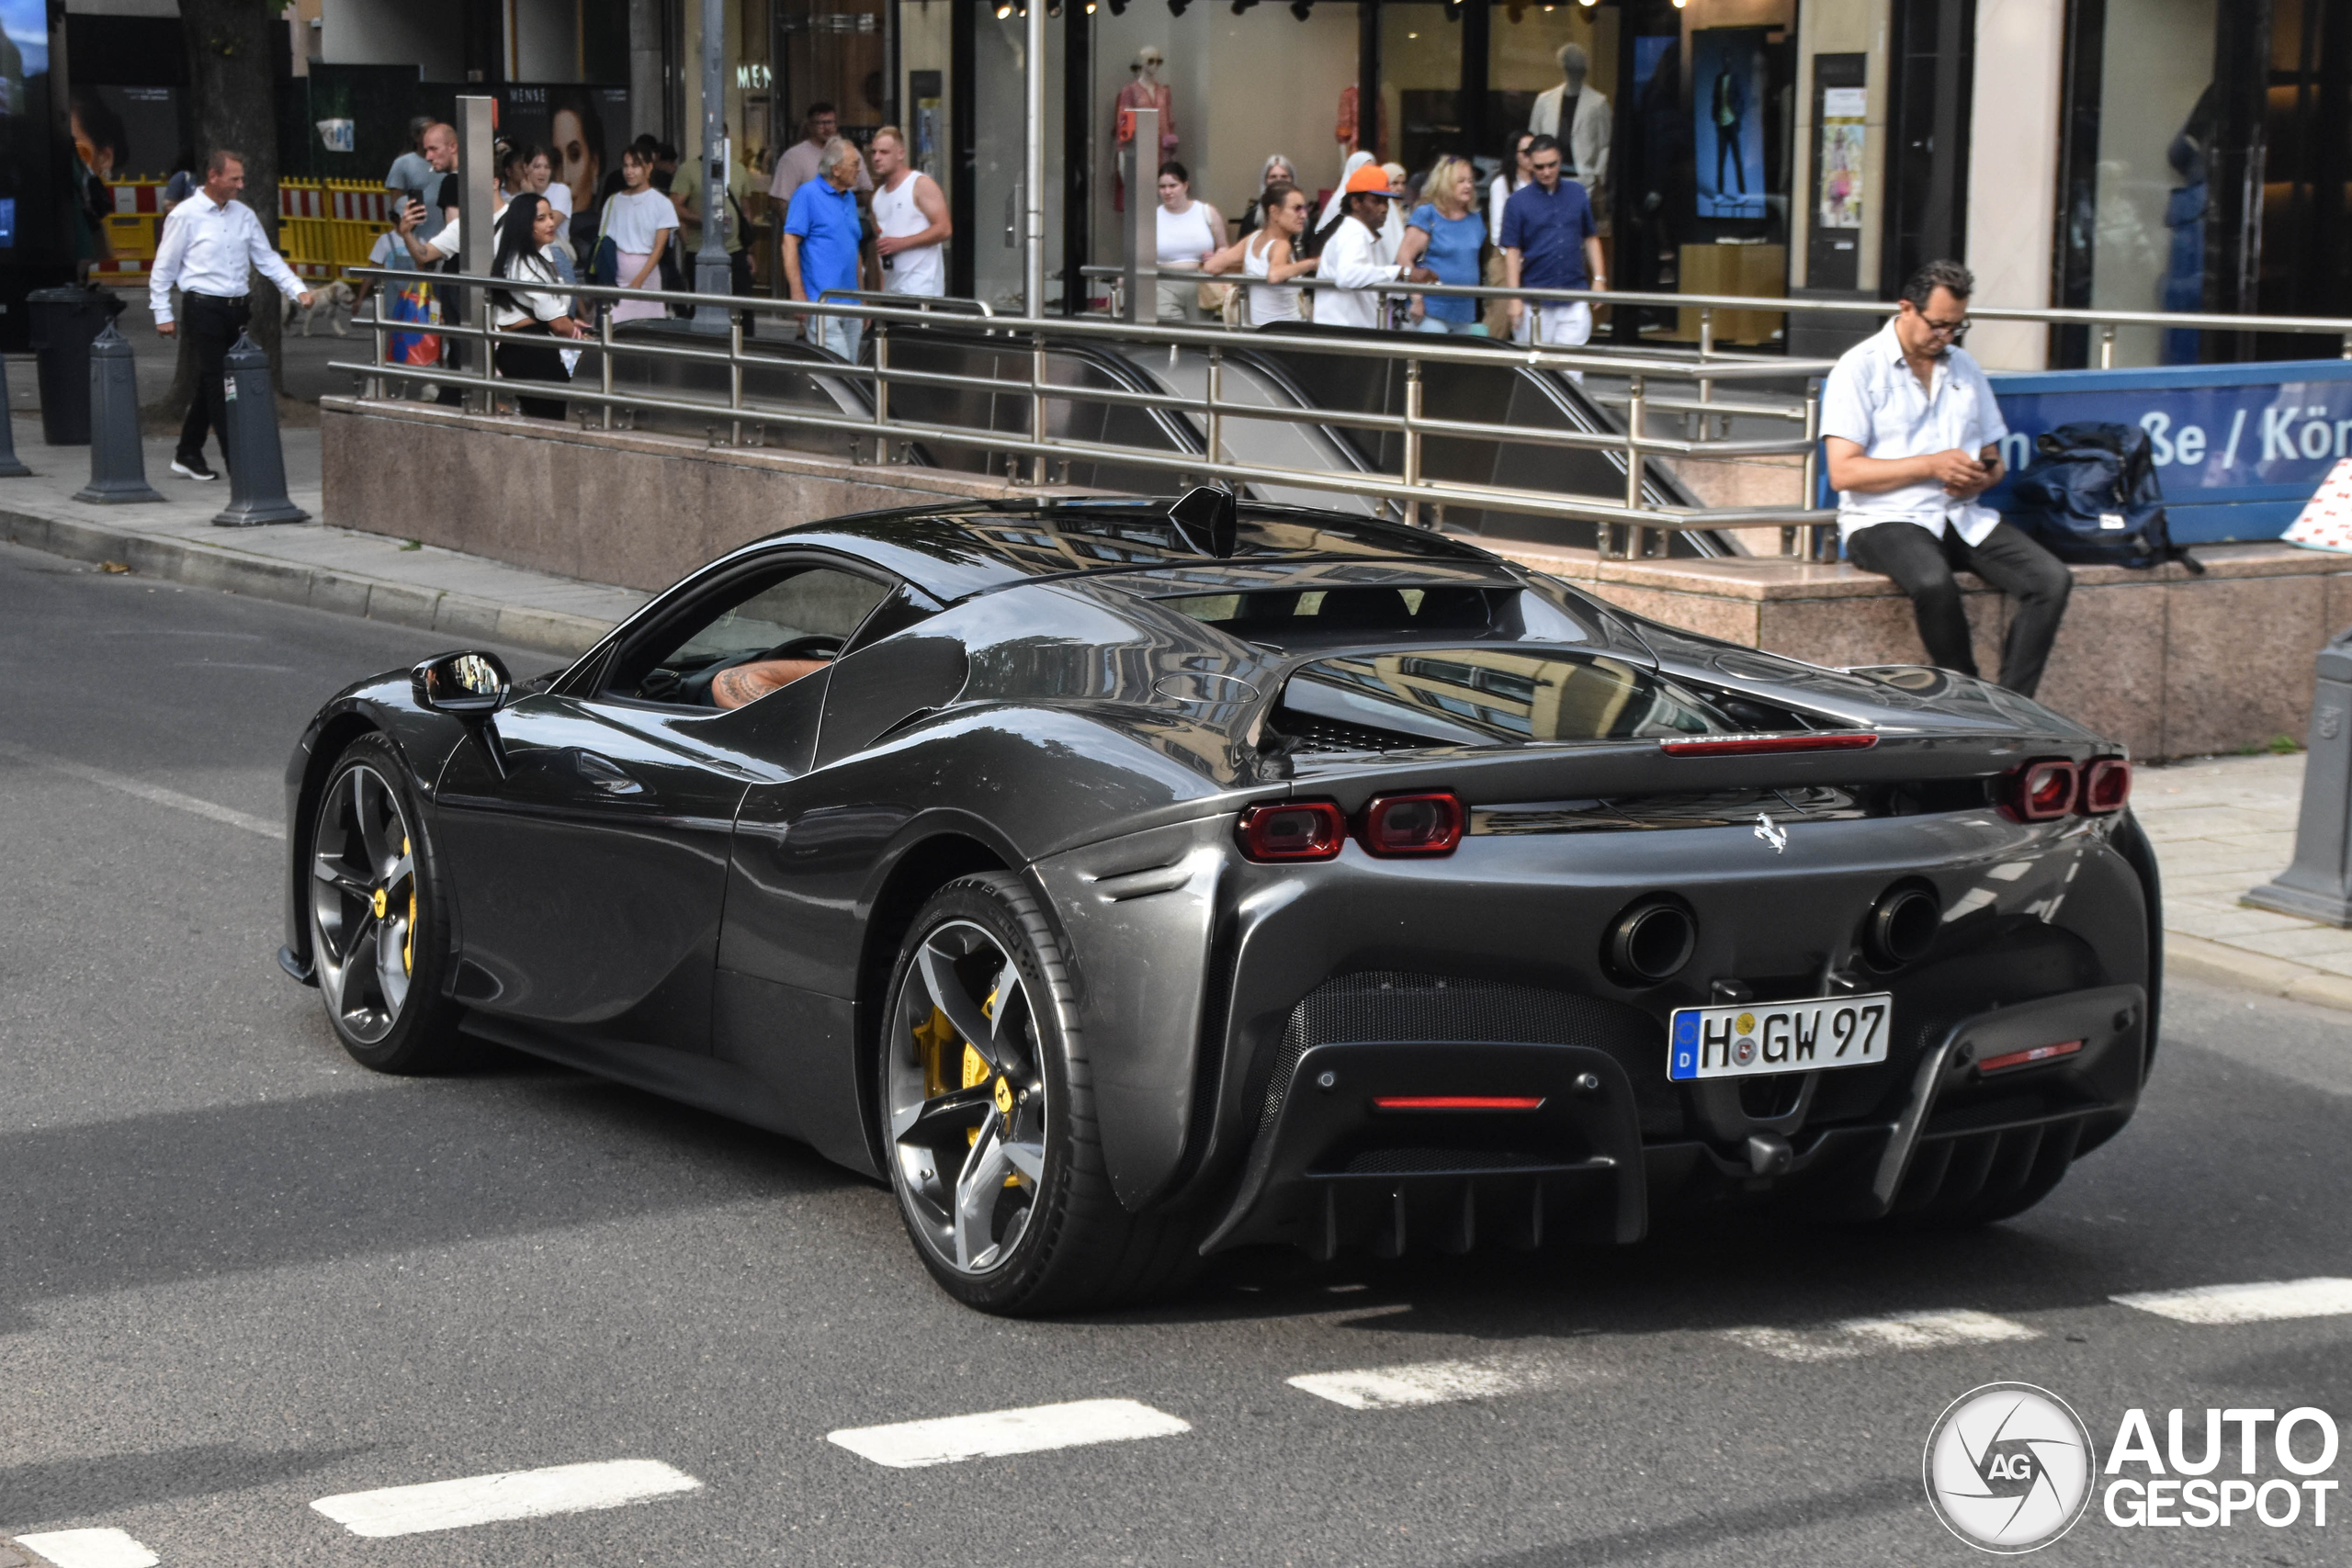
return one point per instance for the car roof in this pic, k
(953, 553)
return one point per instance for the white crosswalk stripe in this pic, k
(1431, 1382)
(950, 1440)
(515, 1494)
(1873, 1335)
(88, 1549)
(2270, 1301)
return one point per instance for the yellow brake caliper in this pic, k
(408, 938)
(932, 1037)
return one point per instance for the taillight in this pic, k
(2107, 785)
(1293, 829)
(1458, 1102)
(1413, 824)
(1765, 744)
(2043, 790)
(2027, 1058)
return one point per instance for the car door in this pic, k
(588, 827)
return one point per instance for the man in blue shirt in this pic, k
(1549, 241)
(822, 235)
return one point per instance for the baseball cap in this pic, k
(1370, 181)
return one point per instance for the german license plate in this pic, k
(1779, 1037)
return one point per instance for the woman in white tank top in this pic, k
(1267, 254)
(1188, 234)
(899, 213)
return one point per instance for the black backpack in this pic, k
(2090, 495)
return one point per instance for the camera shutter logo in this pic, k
(2009, 1467)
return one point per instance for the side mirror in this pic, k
(465, 685)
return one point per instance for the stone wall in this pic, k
(2171, 664)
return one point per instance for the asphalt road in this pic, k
(230, 1287)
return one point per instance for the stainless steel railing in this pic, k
(1629, 526)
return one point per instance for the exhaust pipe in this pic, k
(1902, 925)
(1650, 941)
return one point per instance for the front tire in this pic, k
(988, 1117)
(378, 917)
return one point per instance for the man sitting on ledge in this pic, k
(1914, 438)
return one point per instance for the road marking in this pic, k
(1429, 1382)
(953, 1438)
(1870, 1335)
(515, 1495)
(2273, 1301)
(148, 792)
(89, 1548)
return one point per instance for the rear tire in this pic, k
(987, 1127)
(378, 915)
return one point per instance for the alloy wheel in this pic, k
(363, 904)
(967, 1102)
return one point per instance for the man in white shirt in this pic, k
(1351, 256)
(1914, 437)
(211, 245)
(911, 215)
(805, 159)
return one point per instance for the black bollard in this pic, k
(117, 465)
(256, 463)
(10, 467)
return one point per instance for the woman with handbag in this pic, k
(1188, 234)
(530, 317)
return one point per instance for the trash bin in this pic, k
(65, 320)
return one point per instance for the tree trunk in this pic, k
(232, 103)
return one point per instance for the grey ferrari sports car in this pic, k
(1125, 881)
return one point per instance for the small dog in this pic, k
(325, 301)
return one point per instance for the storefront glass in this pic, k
(1420, 85)
(2151, 195)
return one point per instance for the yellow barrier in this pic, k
(315, 241)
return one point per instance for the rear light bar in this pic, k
(1767, 745)
(1458, 1102)
(1428, 823)
(2053, 787)
(2028, 1057)
(1293, 830)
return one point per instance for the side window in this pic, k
(783, 622)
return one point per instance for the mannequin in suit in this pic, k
(1577, 115)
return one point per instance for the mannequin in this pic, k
(1585, 136)
(1145, 92)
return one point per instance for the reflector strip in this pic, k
(2027, 1058)
(1459, 1102)
(1758, 745)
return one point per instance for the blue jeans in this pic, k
(839, 333)
(1472, 328)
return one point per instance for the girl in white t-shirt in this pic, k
(641, 223)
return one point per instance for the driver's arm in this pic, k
(740, 684)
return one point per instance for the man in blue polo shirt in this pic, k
(1549, 241)
(822, 235)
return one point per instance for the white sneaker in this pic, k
(195, 470)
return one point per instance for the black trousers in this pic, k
(212, 325)
(535, 358)
(2009, 560)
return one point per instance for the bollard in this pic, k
(2318, 886)
(257, 462)
(10, 467)
(117, 465)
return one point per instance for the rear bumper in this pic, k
(1333, 1167)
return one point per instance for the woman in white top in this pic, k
(641, 223)
(538, 174)
(1269, 257)
(1517, 171)
(529, 317)
(1190, 234)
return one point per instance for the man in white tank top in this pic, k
(911, 216)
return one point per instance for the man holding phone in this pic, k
(1914, 437)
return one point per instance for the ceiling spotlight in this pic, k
(1176, 7)
(1241, 5)
(1453, 10)
(1004, 9)
(1300, 8)
(1118, 7)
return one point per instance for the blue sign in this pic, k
(2238, 448)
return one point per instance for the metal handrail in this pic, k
(946, 303)
(1631, 527)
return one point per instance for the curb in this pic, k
(2222, 966)
(346, 594)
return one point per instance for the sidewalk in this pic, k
(300, 563)
(2220, 826)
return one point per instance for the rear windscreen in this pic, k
(1484, 696)
(1281, 615)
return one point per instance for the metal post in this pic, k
(257, 461)
(604, 359)
(735, 377)
(118, 463)
(1636, 396)
(489, 327)
(712, 273)
(478, 195)
(1032, 217)
(1216, 406)
(2347, 345)
(881, 392)
(11, 467)
(1412, 437)
(1139, 168)
(1037, 384)
(1812, 462)
(1706, 351)
(2107, 345)
(2318, 886)
(383, 340)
